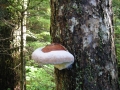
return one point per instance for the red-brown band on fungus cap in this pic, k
(55, 54)
(53, 47)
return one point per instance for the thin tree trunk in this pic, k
(84, 27)
(23, 44)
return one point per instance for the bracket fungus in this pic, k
(54, 54)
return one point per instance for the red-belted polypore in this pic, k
(54, 54)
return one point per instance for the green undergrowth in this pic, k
(38, 77)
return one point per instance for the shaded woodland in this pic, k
(25, 26)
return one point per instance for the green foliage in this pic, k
(40, 78)
(39, 20)
(116, 8)
(39, 16)
(36, 44)
(117, 39)
(44, 36)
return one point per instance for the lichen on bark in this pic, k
(84, 27)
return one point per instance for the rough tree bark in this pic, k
(11, 65)
(8, 76)
(84, 27)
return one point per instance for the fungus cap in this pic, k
(53, 47)
(54, 54)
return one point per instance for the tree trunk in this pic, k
(7, 74)
(84, 27)
(23, 44)
(11, 65)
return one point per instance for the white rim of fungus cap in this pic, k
(53, 57)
